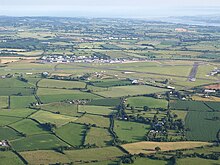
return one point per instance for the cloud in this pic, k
(104, 8)
(146, 3)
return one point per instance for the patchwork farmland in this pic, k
(92, 92)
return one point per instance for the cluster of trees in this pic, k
(160, 128)
(174, 93)
(112, 132)
(101, 56)
(21, 78)
(66, 78)
(170, 122)
(49, 126)
(174, 156)
(8, 54)
(24, 43)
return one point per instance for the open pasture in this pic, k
(198, 161)
(44, 157)
(180, 114)
(22, 101)
(49, 83)
(188, 105)
(8, 133)
(105, 102)
(98, 154)
(3, 102)
(13, 83)
(140, 102)
(37, 142)
(130, 91)
(204, 150)
(99, 121)
(130, 131)
(28, 127)
(16, 112)
(22, 66)
(215, 106)
(98, 136)
(9, 157)
(5, 120)
(202, 125)
(55, 95)
(111, 82)
(148, 114)
(140, 161)
(45, 117)
(72, 133)
(16, 91)
(98, 110)
(62, 108)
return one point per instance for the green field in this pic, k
(49, 83)
(13, 83)
(180, 114)
(37, 142)
(105, 102)
(9, 158)
(202, 126)
(94, 154)
(99, 110)
(140, 102)
(3, 102)
(130, 131)
(17, 112)
(197, 161)
(68, 93)
(142, 161)
(55, 95)
(71, 133)
(189, 105)
(215, 106)
(28, 127)
(62, 108)
(105, 162)
(204, 150)
(98, 136)
(5, 120)
(44, 157)
(94, 119)
(16, 91)
(129, 90)
(111, 82)
(22, 101)
(148, 114)
(45, 117)
(8, 133)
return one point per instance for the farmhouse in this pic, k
(29, 73)
(170, 87)
(209, 91)
(181, 30)
(4, 143)
(135, 82)
(215, 72)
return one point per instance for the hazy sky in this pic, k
(108, 8)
